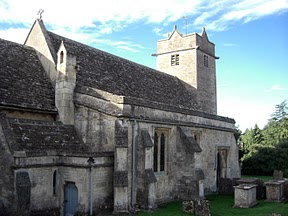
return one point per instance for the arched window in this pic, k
(160, 143)
(54, 182)
(61, 57)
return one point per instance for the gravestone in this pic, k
(278, 175)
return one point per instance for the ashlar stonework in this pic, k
(154, 135)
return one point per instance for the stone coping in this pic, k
(245, 186)
(275, 182)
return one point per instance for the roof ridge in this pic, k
(110, 54)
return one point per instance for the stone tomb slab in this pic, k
(245, 196)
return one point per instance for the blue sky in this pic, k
(250, 38)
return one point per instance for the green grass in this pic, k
(222, 205)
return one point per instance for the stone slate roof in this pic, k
(23, 80)
(45, 138)
(119, 76)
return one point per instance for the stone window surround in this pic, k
(61, 57)
(166, 133)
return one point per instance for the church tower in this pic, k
(191, 58)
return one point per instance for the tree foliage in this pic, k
(267, 150)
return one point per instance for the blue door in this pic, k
(70, 199)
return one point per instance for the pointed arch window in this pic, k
(160, 148)
(61, 57)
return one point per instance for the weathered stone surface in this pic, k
(150, 176)
(199, 174)
(278, 175)
(121, 135)
(260, 190)
(274, 191)
(188, 140)
(146, 138)
(120, 179)
(285, 189)
(245, 196)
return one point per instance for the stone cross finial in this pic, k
(40, 12)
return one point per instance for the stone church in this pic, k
(83, 129)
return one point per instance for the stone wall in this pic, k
(68, 169)
(210, 142)
(95, 128)
(181, 165)
(7, 177)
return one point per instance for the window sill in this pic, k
(161, 173)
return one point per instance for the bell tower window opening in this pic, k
(174, 59)
(206, 61)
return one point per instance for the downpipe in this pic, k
(132, 207)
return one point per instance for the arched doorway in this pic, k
(221, 166)
(70, 199)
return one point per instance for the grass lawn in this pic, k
(222, 205)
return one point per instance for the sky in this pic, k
(251, 39)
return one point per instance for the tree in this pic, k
(266, 150)
(281, 111)
(252, 137)
(276, 131)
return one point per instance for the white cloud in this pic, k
(224, 13)
(275, 88)
(105, 17)
(230, 45)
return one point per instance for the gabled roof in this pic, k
(44, 138)
(101, 70)
(24, 83)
